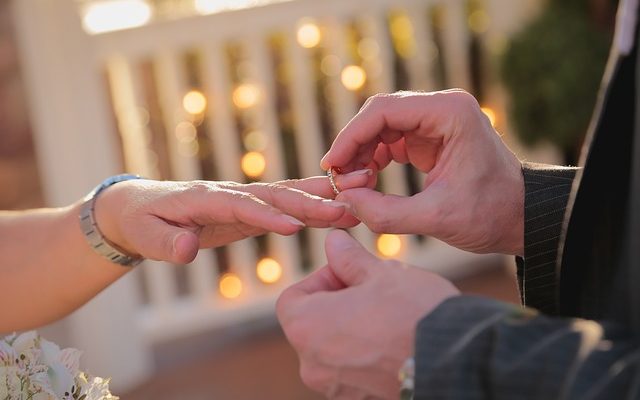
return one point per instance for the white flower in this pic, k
(7, 355)
(37, 369)
(60, 377)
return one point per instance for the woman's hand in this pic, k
(171, 220)
(473, 195)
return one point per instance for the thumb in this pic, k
(350, 262)
(156, 239)
(389, 213)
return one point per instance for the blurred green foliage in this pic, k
(553, 70)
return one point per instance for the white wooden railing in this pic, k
(73, 108)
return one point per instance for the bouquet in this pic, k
(32, 368)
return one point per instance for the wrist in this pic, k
(114, 249)
(108, 213)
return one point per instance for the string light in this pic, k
(309, 35)
(401, 27)
(186, 132)
(389, 245)
(189, 149)
(269, 270)
(479, 21)
(255, 141)
(253, 164)
(107, 16)
(491, 114)
(230, 286)
(246, 95)
(353, 77)
(330, 65)
(194, 102)
(403, 35)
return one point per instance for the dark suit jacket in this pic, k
(580, 269)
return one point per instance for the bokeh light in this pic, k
(186, 132)
(309, 35)
(189, 148)
(402, 34)
(255, 141)
(107, 16)
(253, 164)
(230, 286)
(479, 21)
(353, 77)
(246, 95)
(389, 245)
(269, 270)
(491, 114)
(401, 27)
(215, 6)
(194, 102)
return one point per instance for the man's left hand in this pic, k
(353, 321)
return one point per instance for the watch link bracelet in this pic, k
(92, 233)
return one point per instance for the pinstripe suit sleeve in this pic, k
(547, 191)
(477, 348)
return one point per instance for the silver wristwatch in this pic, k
(93, 234)
(406, 375)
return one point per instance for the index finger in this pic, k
(321, 280)
(384, 118)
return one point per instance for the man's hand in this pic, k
(170, 221)
(473, 196)
(353, 322)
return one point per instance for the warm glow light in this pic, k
(403, 35)
(268, 270)
(106, 16)
(490, 114)
(213, 6)
(401, 28)
(353, 77)
(186, 132)
(194, 102)
(230, 286)
(189, 148)
(389, 245)
(255, 141)
(253, 164)
(309, 35)
(479, 21)
(246, 95)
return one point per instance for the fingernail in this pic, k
(293, 220)
(336, 204)
(366, 171)
(175, 242)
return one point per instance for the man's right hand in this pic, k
(473, 195)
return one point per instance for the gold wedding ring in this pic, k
(332, 181)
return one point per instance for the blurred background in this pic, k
(255, 90)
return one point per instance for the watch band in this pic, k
(92, 233)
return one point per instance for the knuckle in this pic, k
(199, 187)
(464, 100)
(277, 188)
(378, 222)
(377, 100)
